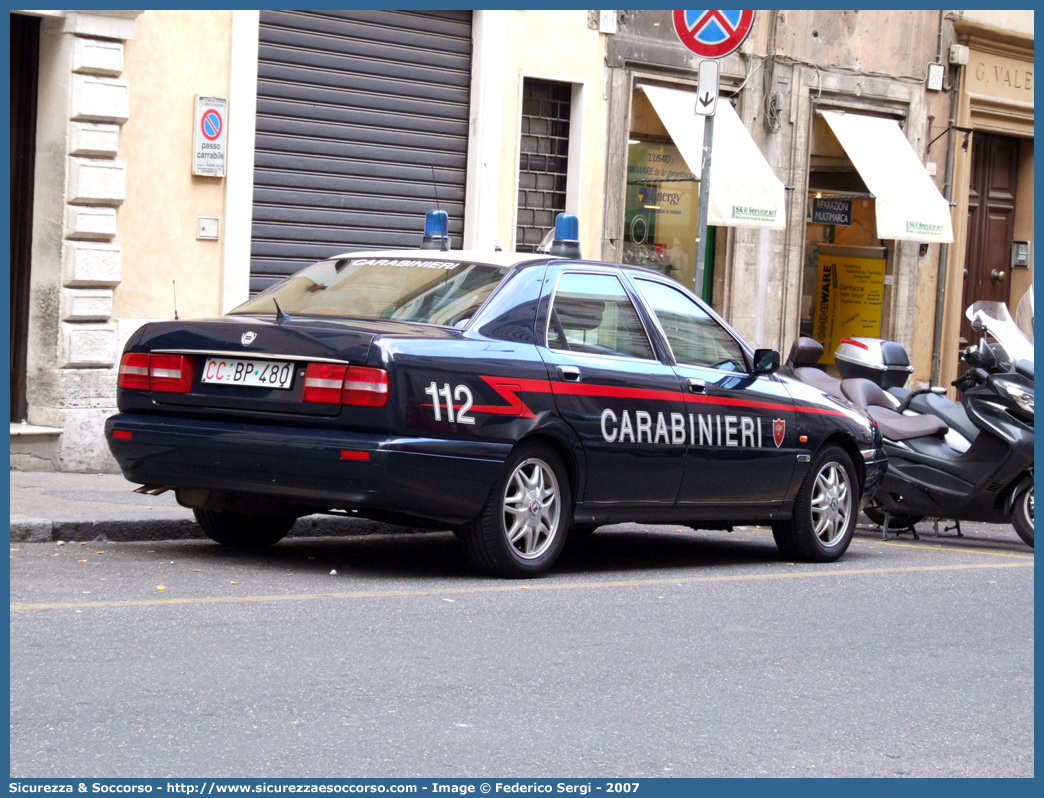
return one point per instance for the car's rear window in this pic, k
(406, 289)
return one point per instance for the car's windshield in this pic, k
(407, 289)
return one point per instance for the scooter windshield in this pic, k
(995, 317)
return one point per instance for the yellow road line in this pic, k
(445, 591)
(970, 550)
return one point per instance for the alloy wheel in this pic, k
(831, 504)
(531, 508)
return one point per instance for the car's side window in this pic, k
(592, 313)
(695, 338)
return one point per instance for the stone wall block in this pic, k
(97, 57)
(100, 99)
(86, 304)
(87, 346)
(104, 24)
(90, 222)
(87, 138)
(93, 181)
(92, 264)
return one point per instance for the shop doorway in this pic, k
(25, 68)
(991, 223)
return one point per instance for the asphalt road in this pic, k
(649, 651)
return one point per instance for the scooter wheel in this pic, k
(825, 510)
(1022, 516)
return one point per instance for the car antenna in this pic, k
(175, 285)
(496, 241)
(434, 185)
(280, 316)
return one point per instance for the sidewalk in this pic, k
(50, 506)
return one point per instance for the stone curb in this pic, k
(28, 529)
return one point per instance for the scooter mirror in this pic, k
(978, 326)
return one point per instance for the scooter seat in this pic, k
(897, 427)
(955, 416)
(810, 375)
(881, 408)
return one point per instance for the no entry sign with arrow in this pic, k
(713, 34)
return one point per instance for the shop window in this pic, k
(662, 202)
(543, 159)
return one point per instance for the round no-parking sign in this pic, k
(713, 34)
(211, 125)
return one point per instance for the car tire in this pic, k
(244, 530)
(897, 521)
(522, 527)
(1022, 516)
(582, 530)
(825, 510)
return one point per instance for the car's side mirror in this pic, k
(766, 361)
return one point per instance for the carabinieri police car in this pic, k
(514, 398)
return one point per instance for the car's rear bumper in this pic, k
(441, 480)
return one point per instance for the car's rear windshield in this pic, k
(407, 289)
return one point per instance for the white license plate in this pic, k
(252, 373)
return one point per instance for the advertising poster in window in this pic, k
(660, 215)
(848, 295)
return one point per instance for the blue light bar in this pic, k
(436, 231)
(567, 236)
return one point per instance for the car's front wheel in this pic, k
(523, 524)
(825, 510)
(244, 530)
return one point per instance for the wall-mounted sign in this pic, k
(827, 210)
(209, 137)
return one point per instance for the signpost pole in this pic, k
(701, 218)
(711, 35)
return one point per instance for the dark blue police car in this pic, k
(514, 398)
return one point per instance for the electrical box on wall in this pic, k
(959, 54)
(207, 228)
(1020, 254)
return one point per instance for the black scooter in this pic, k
(970, 462)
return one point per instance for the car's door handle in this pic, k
(696, 386)
(569, 373)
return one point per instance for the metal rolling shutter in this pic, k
(354, 109)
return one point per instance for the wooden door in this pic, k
(991, 223)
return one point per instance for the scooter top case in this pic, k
(884, 363)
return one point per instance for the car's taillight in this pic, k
(323, 383)
(365, 386)
(347, 385)
(171, 373)
(134, 371)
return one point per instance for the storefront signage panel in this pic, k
(827, 210)
(849, 295)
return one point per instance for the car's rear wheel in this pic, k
(825, 510)
(244, 530)
(522, 527)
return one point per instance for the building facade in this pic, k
(343, 127)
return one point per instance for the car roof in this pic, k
(491, 257)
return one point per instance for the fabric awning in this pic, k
(909, 206)
(744, 190)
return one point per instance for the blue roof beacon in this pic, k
(436, 231)
(567, 236)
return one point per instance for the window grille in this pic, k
(543, 159)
